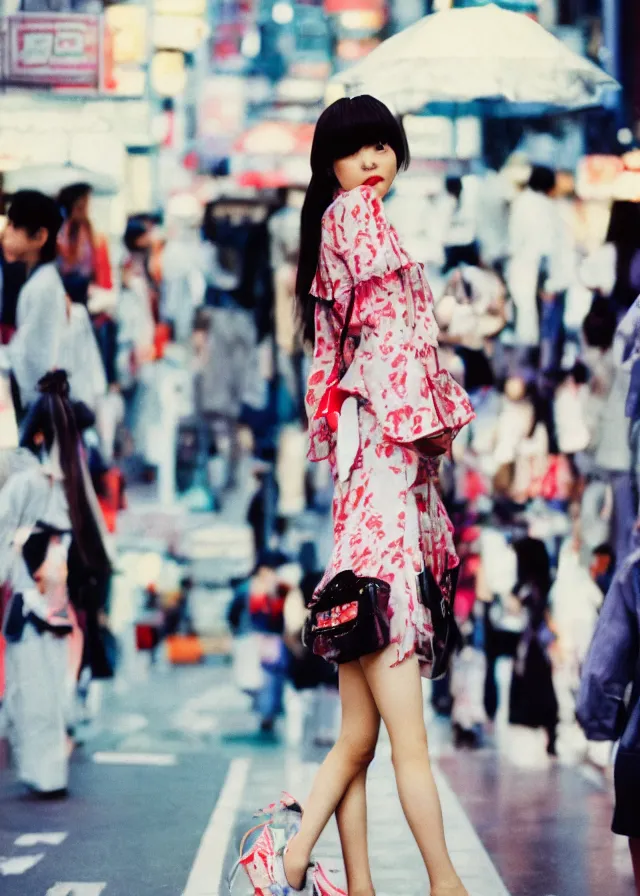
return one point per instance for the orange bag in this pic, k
(184, 650)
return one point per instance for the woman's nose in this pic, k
(368, 159)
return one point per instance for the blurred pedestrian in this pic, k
(532, 701)
(50, 548)
(538, 272)
(606, 709)
(12, 278)
(460, 222)
(85, 268)
(41, 316)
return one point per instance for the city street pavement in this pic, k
(171, 823)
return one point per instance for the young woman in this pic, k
(368, 310)
(50, 546)
(85, 268)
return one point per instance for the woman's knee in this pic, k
(405, 750)
(360, 751)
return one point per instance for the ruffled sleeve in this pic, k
(394, 367)
(361, 235)
(324, 371)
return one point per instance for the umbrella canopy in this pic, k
(50, 179)
(479, 53)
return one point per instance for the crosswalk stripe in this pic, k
(157, 759)
(30, 840)
(79, 889)
(206, 873)
(19, 864)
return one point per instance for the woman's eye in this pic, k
(381, 147)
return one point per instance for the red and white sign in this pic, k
(53, 50)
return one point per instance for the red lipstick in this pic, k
(373, 181)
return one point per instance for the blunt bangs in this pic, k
(349, 124)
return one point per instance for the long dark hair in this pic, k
(67, 200)
(53, 416)
(342, 129)
(534, 572)
(624, 233)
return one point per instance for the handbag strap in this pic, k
(345, 330)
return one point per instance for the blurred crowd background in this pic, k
(174, 136)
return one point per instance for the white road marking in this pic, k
(206, 873)
(29, 840)
(19, 864)
(157, 759)
(468, 854)
(80, 889)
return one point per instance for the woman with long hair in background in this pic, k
(381, 410)
(50, 546)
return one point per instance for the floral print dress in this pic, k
(389, 520)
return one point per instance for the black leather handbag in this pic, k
(438, 599)
(349, 619)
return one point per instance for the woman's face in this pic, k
(375, 164)
(80, 211)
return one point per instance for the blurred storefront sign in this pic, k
(184, 33)
(273, 154)
(125, 50)
(334, 7)
(222, 113)
(609, 178)
(437, 137)
(300, 90)
(53, 50)
(50, 131)
(276, 138)
(181, 7)
(168, 73)
(128, 27)
(236, 37)
(350, 50)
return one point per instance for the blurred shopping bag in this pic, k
(184, 650)
(149, 630)
(247, 665)
(8, 423)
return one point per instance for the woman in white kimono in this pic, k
(48, 529)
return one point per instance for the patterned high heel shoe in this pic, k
(264, 861)
(280, 822)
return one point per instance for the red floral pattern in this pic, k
(388, 517)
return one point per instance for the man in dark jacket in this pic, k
(605, 710)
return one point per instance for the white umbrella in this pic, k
(477, 53)
(50, 179)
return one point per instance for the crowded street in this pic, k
(319, 448)
(162, 793)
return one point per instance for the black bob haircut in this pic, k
(342, 129)
(32, 211)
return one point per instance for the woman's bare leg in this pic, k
(397, 692)
(348, 759)
(351, 816)
(634, 846)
